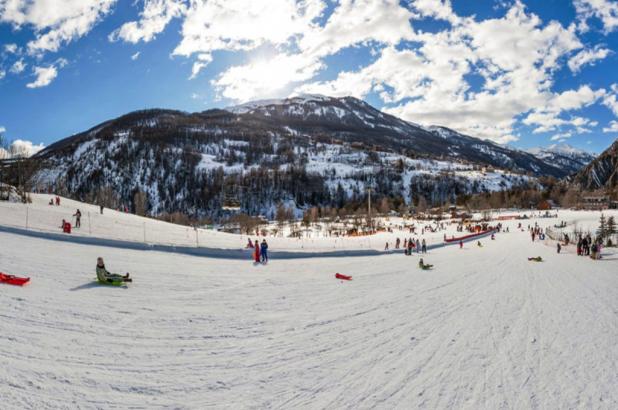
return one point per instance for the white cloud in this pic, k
(515, 56)
(2, 74)
(55, 23)
(155, 16)
(11, 48)
(44, 76)
(604, 10)
(561, 137)
(264, 77)
(135, 56)
(611, 100)
(202, 61)
(351, 23)
(241, 25)
(613, 127)
(2, 129)
(18, 67)
(23, 148)
(587, 57)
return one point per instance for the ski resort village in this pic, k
(355, 204)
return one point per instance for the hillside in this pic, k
(304, 151)
(602, 172)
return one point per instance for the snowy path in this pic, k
(485, 329)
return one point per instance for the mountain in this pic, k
(354, 121)
(304, 151)
(602, 172)
(566, 157)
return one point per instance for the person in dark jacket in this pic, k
(78, 218)
(264, 251)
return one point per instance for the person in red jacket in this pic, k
(256, 252)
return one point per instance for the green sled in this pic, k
(112, 283)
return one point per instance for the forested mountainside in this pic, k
(602, 172)
(304, 151)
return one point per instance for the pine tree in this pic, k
(602, 231)
(611, 229)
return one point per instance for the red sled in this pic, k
(13, 280)
(343, 277)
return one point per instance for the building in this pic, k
(595, 202)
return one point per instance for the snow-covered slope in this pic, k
(485, 329)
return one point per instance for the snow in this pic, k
(484, 329)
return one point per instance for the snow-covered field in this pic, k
(114, 225)
(485, 329)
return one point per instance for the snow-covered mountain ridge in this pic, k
(306, 150)
(563, 155)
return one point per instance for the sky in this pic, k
(525, 73)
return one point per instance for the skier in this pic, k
(424, 248)
(558, 247)
(386, 247)
(78, 217)
(264, 251)
(460, 244)
(57, 201)
(105, 277)
(397, 243)
(101, 209)
(256, 252)
(418, 246)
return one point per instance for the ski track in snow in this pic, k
(485, 329)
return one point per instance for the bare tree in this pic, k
(140, 201)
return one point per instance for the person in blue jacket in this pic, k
(264, 251)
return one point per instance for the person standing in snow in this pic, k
(386, 247)
(424, 248)
(101, 209)
(104, 276)
(256, 252)
(78, 218)
(558, 247)
(460, 244)
(264, 251)
(418, 245)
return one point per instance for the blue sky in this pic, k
(527, 73)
